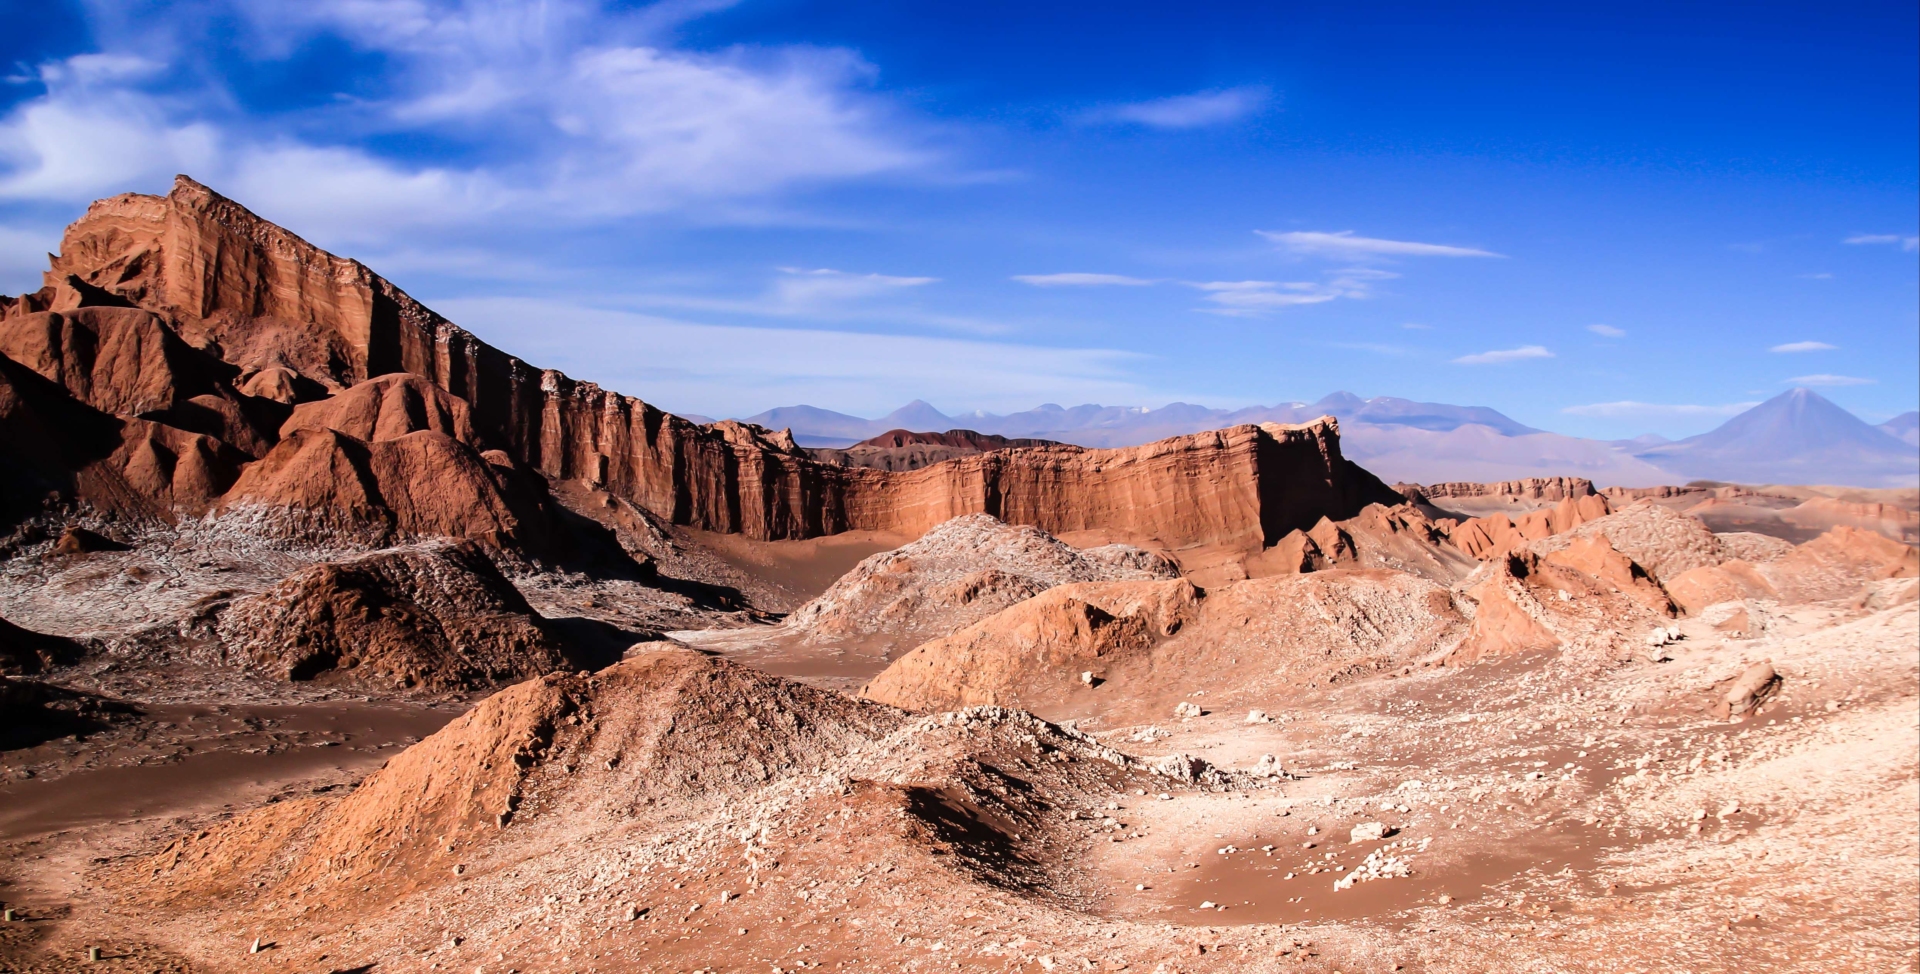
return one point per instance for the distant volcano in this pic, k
(1797, 437)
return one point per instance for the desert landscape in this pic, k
(338, 640)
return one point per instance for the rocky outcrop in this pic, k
(956, 574)
(1400, 538)
(271, 305)
(435, 617)
(25, 652)
(1533, 489)
(1838, 563)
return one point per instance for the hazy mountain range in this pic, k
(1795, 437)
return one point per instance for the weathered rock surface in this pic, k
(32, 712)
(907, 450)
(1838, 563)
(1663, 542)
(956, 574)
(432, 617)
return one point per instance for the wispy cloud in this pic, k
(1245, 298)
(1607, 331)
(1803, 347)
(1504, 355)
(1344, 244)
(1198, 110)
(801, 287)
(1082, 280)
(1903, 242)
(1821, 276)
(1416, 326)
(1629, 409)
(1824, 379)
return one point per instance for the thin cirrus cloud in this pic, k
(1082, 280)
(1344, 243)
(1630, 409)
(1502, 356)
(1825, 379)
(800, 287)
(1791, 347)
(1197, 110)
(1905, 243)
(1607, 331)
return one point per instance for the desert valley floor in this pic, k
(337, 641)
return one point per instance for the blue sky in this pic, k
(1609, 221)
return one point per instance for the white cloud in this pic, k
(1803, 347)
(1904, 242)
(1824, 379)
(1345, 244)
(1607, 331)
(578, 109)
(1081, 280)
(1499, 356)
(1197, 110)
(1629, 409)
(1416, 326)
(1821, 276)
(673, 362)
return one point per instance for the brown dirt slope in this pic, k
(1146, 644)
(433, 617)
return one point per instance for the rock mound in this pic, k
(434, 617)
(1836, 564)
(956, 574)
(1147, 644)
(1664, 542)
(387, 407)
(644, 740)
(1486, 538)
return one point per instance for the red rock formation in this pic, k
(322, 482)
(264, 300)
(55, 447)
(1532, 488)
(1493, 536)
(1836, 564)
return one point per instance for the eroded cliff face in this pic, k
(299, 324)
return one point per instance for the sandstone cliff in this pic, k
(289, 317)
